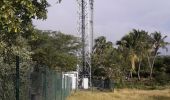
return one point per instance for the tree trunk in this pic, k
(151, 71)
(152, 65)
(131, 76)
(139, 69)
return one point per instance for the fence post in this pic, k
(17, 77)
(64, 89)
(62, 86)
(55, 85)
(45, 82)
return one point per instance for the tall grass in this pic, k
(122, 94)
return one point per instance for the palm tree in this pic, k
(135, 45)
(99, 44)
(129, 44)
(157, 41)
(142, 48)
(102, 55)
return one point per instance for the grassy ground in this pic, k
(122, 94)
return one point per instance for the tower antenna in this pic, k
(86, 31)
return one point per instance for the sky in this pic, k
(112, 18)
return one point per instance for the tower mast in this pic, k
(86, 31)
(83, 32)
(90, 34)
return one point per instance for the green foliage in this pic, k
(133, 46)
(58, 51)
(17, 15)
(101, 52)
(16, 23)
(18, 37)
(105, 60)
(55, 50)
(7, 80)
(136, 55)
(162, 67)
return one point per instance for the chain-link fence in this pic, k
(34, 84)
(103, 84)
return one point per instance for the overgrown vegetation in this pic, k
(135, 62)
(122, 94)
(35, 48)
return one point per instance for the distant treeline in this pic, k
(135, 60)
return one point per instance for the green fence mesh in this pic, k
(37, 84)
(49, 85)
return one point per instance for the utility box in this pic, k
(74, 79)
(85, 83)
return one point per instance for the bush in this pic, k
(162, 78)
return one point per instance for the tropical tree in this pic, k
(129, 44)
(138, 45)
(142, 48)
(157, 41)
(15, 23)
(55, 50)
(102, 57)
